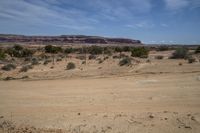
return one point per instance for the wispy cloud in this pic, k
(140, 25)
(175, 5)
(41, 12)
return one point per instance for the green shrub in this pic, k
(118, 49)
(70, 65)
(52, 49)
(197, 50)
(180, 53)
(2, 54)
(69, 50)
(8, 67)
(140, 52)
(95, 50)
(126, 49)
(125, 61)
(19, 51)
(26, 68)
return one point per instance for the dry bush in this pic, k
(92, 57)
(159, 57)
(125, 61)
(180, 53)
(26, 68)
(8, 67)
(70, 66)
(191, 60)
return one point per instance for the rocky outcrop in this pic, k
(67, 39)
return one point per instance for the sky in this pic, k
(151, 21)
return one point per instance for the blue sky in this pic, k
(151, 21)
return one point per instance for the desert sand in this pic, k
(160, 96)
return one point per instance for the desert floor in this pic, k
(157, 97)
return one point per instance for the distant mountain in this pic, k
(80, 39)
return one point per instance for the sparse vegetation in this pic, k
(19, 51)
(163, 48)
(69, 50)
(70, 66)
(35, 61)
(141, 52)
(8, 67)
(191, 60)
(26, 68)
(2, 54)
(52, 49)
(95, 50)
(92, 57)
(47, 62)
(159, 57)
(125, 61)
(197, 50)
(180, 53)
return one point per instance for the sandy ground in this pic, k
(158, 97)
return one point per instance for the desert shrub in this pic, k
(116, 57)
(27, 52)
(191, 59)
(159, 57)
(83, 62)
(126, 48)
(163, 48)
(52, 49)
(92, 57)
(2, 54)
(100, 61)
(105, 58)
(123, 55)
(140, 52)
(180, 53)
(26, 68)
(70, 65)
(59, 59)
(107, 51)
(46, 62)
(8, 67)
(197, 50)
(34, 61)
(27, 59)
(95, 50)
(80, 57)
(69, 50)
(19, 51)
(118, 49)
(125, 61)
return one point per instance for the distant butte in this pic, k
(67, 39)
